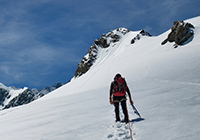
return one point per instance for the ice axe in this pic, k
(135, 110)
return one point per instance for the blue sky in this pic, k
(42, 41)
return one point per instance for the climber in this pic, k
(118, 90)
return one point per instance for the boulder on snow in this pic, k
(180, 32)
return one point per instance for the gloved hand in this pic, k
(131, 102)
(111, 101)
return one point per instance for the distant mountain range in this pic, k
(13, 96)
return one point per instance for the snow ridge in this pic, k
(107, 41)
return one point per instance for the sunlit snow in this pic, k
(164, 83)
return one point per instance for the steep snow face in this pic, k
(106, 42)
(164, 83)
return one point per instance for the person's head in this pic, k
(117, 76)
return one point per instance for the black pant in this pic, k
(122, 100)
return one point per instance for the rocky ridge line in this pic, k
(104, 42)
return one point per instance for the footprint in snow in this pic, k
(119, 131)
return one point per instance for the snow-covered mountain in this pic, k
(106, 41)
(13, 96)
(9, 94)
(164, 83)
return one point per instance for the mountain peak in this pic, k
(112, 36)
(106, 40)
(2, 86)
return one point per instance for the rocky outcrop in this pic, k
(180, 32)
(87, 61)
(24, 98)
(104, 42)
(3, 94)
(138, 36)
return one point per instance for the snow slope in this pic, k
(164, 82)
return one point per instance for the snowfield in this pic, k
(165, 87)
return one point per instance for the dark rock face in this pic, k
(180, 32)
(142, 33)
(24, 98)
(87, 60)
(3, 94)
(103, 42)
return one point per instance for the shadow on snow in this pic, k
(137, 120)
